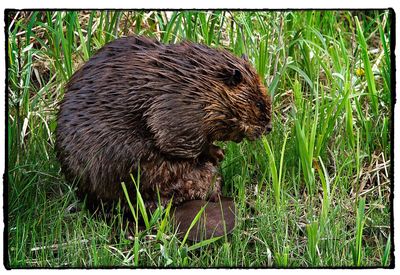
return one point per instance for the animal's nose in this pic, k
(268, 128)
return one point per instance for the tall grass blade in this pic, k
(129, 202)
(386, 253)
(360, 220)
(367, 67)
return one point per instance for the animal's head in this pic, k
(244, 105)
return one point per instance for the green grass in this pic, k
(314, 192)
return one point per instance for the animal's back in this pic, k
(100, 137)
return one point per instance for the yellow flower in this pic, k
(360, 72)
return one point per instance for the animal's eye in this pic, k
(260, 105)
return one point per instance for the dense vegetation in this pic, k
(314, 192)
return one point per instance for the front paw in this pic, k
(216, 154)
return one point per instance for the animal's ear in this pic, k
(233, 77)
(245, 57)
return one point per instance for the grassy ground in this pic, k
(315, 192)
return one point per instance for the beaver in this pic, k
(140, 105)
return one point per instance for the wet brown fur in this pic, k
(140, 102)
